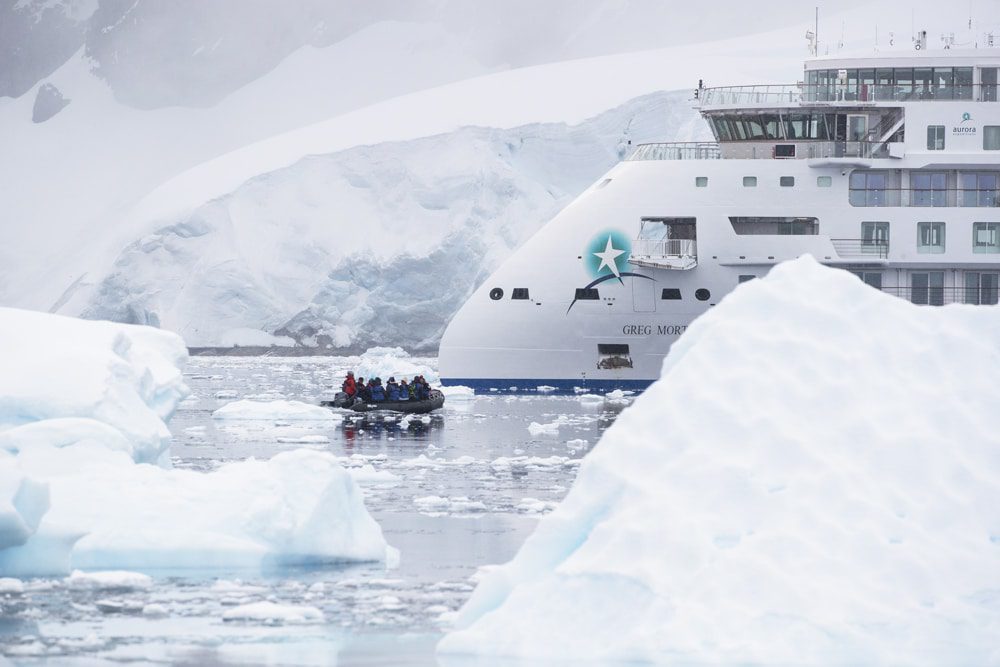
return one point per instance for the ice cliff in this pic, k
(814, 480)
(85, 475)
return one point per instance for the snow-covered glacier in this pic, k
(85, 473)
(373, 245)
(814, 480)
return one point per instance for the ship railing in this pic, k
(925, 197)
(786, 94)
(869, 248)
(750, 150)
(664, 248)
(940, 296)
(677, 150)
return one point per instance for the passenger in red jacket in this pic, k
(349, 387)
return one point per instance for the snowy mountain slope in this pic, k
(370, 245)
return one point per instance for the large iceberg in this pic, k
(815, 479)
(85, 473)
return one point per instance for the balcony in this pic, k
(862, 249)
(835, 94)
(675, 254)
(677, 150)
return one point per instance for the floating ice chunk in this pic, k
(590, 398)
(367, 474)
(115, 606)
(303, 439)
(576, 445)
(431, 502)
(154, 610)
(534, 428)
(275, 410)
(271, 612)
(458, 393)
(226, 394)
(813, 480)
(109, 580)
(535, 506)
(10, 586)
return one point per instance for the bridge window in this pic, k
(587, 294)
(930, 237)
(752, 226)
(935, 137)
(519, 293)
(963, 83)
(986, 237)
(988, 77)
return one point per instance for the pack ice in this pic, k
(815, 479)
(85, 476)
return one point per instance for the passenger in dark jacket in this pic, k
(378, 391)
(392, 389)
(404, 390)
(363, 390)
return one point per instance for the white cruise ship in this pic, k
(887, 166)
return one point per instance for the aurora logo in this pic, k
(966, 117)
(606, 258)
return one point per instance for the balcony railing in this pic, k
(862, 248)
(931, 197)
(665, 253)
(678, 150)
(940, 296)
(786, 94)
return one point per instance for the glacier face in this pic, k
(371, 245)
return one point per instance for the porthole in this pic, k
(702, 294)
(496, 294)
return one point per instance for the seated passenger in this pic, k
(363, 390)
(404, 390)
(392, 389)
(378, 391)
(349, 387)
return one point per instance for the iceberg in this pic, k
(86, 480)
(813, 480)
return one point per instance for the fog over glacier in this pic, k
(340, 174)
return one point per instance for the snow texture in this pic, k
(85, 477)
(814, 480)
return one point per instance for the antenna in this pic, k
(816, 32)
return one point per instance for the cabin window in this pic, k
(930, 237)
(824, 181)
(756, 226)
(929, 188)
(670, 294)
(991, 137)
(702, 294)
(874, 237)
(935, 137)
(749, 181)
(870, 278)
(746, 278)
(613, 355)
(786, 181)
(701, 181)
(519, 293)
(496, 293)
(988, 79)
(587, 294)
(979, 189)
(986, 237)
(927, 288)
(981, 288)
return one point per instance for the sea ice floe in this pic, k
(273, 613)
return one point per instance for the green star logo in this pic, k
(607, 254)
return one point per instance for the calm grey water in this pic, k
(468, 488)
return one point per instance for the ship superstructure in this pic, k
(887, 166)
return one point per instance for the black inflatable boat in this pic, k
(341, 400)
